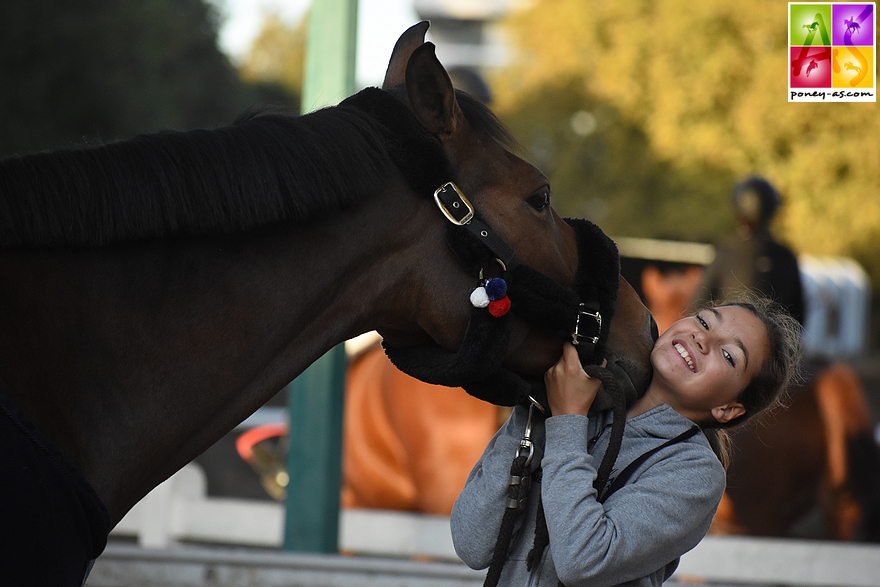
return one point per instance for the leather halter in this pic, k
(536, 299)
(460, 212)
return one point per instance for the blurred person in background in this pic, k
(753, 260)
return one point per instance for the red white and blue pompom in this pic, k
(492, 295)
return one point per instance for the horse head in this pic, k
(547, 262)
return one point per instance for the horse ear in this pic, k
(409, 41)
(430, 92)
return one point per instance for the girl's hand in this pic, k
(569, 389)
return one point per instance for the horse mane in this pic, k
(262, 169)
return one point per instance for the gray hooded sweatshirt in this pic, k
(634, 538)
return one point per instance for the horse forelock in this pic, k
(479, 116)
(418, 154)
(483, 120)
(262, 169)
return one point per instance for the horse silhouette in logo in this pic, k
(812, 27)
(849, 65)
(813, 65)
(852, 25)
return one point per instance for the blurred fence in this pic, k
(173, 524)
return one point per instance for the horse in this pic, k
(407, 445)
(813, 471)
(851, 25)
(849, 65)
(156, 291)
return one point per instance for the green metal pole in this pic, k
(315, 398)
(330, 53)
(314, 460)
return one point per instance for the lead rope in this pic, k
(585, 338)
(520, 475)
(517, 496)
(618, 424)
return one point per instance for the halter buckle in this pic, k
(459, 203)
(576, 335)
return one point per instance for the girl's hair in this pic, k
(768, 389)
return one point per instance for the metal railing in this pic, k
(393, 547)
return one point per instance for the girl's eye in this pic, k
(702, 322)
(729, 358)
(540, 201)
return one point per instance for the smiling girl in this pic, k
(716, 369)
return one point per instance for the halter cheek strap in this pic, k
(460, 212)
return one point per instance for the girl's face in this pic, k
(703, 363)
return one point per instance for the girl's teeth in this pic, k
(684, 355)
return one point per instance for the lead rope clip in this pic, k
(518, 489)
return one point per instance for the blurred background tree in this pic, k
(645, 113)
(86, 70)
(602, 166)
(277, 55)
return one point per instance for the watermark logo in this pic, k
(831, 51)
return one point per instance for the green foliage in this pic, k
(277, 55)
(688, 98)
(74, 71)
(601, 166)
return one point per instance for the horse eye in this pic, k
(540, 201)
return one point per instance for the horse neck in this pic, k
(177, 342)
